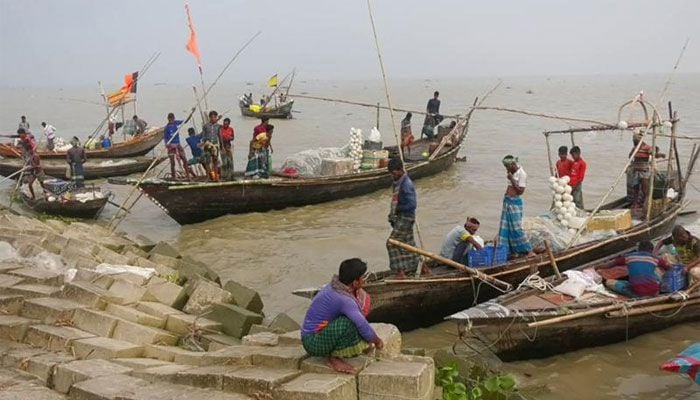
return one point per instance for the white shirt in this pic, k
(49, 131)
(443, 124)
(520, 178)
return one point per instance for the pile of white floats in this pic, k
(356, 147)
(564, 208)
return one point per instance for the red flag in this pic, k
(122, 96)
(191, 45)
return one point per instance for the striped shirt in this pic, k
(641, 266)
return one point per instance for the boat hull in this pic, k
(283, 111)
(92, 169)
(89, 210)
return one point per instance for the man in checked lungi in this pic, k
(335, 326)
(402, 218)
(511, 232)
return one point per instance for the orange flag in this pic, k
(122, 96)
(192, 42)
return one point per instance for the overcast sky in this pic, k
(77, 42)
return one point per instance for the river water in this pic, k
(277, 252)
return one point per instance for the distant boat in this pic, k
(71, 205)
(283, 110)
(95, 168)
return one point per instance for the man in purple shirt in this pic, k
(335, 326)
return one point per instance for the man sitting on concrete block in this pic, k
(335, 325)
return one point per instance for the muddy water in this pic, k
(279, 251)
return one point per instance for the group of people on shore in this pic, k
(212, 148)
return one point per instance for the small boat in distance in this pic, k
(95, 168)
(275, 105)
(84, 203)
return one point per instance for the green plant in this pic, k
(474, 386)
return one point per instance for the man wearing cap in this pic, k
(511, 232)
(688, 249)
(460, 240)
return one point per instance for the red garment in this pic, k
(259, 129)
(227, 134)
(564, 168)
(578, 172)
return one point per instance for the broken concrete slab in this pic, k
(105, 255)
(290, 338)
(142, 335)
(254, 380)
(156, 309)
(319, 387)
(162, 353)
(260, 328)
(7, 280)
(43, 366)
(236, 321)
(127, 290)
(14, 328)
(19, 357)
(391, 336)
(107, 388)
(98, 322)
(32, 290)
(217, 341)
(140, 363)
(77, 371)
(54, 338)
(279, 357)
(205, 377)
(183, 324)
(166, 293)
(9, 265)
(165, 249)
(244, 296)
(105, 348)
(11, 304)
(385, 379)
(142, 242)
(261, 339)
(284, 323)
(38, 276)
(163, 373)
(204, 294)
(49, 310)
(318, 365)
(89, 294)
(134, 315)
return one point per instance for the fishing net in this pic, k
(308, 162)
(546, 227)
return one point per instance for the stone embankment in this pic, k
(78, 321)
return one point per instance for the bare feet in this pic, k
(339, 365)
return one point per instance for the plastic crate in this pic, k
(485, 256)
(674, 279)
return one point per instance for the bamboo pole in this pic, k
(552, 259)
(652, 168)
(549, 155)
(670, 145)
(14, 173)
(649, 309)
(474, 272)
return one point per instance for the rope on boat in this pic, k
(535, 281)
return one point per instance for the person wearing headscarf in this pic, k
(639, 171)
(511, 232)
(76, 158)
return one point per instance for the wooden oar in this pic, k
(552, 259)
(476, 273)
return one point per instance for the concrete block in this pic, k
(205, 294)
(105, 348)
(142, 242)
(105, 255)
(49, 310)
(107, 388)
(97, 322)
(163, 260)
(57, 225)
(133, 278)
(261, 339)
(156, 309)
(140, 363)
(7, 280)
(14, 328)
(165, 249)
(54, 338)
(9, 265)
(244, 296)
(318, 365)
(319, 387)
(128, 291)
(89, 294)
(284, 323)
(259, 328)
(205, 377)
(132, 250)
(236, 321)
(144, 263)
(166, 293)
(11, 304)
(175, 354)
(19, 357)
(30, 291)
(86, 275)
(233, 355)
(217, 341)
(134, 315)
(169, 391)
(182, 324)
(391, 336)
(38, 276)
(77, 371)
(140, 334)
(279, 357)
(383, 380)
(29, 250)
(290, 338)
(255, 380)
(190, 267)
(43, 366)
(413, 351)
(164, 373)
(158, 352)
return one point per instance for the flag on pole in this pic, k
(191, 45)
(122, 96)
(272, 82)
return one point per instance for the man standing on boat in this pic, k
(639, 172)
(461, 239)
(511, 232)
(578, 173)
(564, 163)
(23, 123)
(35, 171)
(211, 135)
(406, 134)
(259, 151)
(140, 126)
(402, 217)
(335, 326)
(227, 135)
(50, 133)
(76, 158)
(171, 137)
(432, 117)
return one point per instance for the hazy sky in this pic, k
(71, 42)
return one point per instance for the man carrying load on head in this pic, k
(335, 326)
(511, 229)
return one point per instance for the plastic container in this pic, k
(372, 145)
(485, 256)
(674, 279)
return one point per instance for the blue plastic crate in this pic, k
(485, 256)
(674, 279)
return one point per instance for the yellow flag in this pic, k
(272, 82)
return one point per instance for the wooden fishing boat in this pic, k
(135, 146)
(191, 202)
(283, 110)
(533, 323)
(95, 168)
(67, 206)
